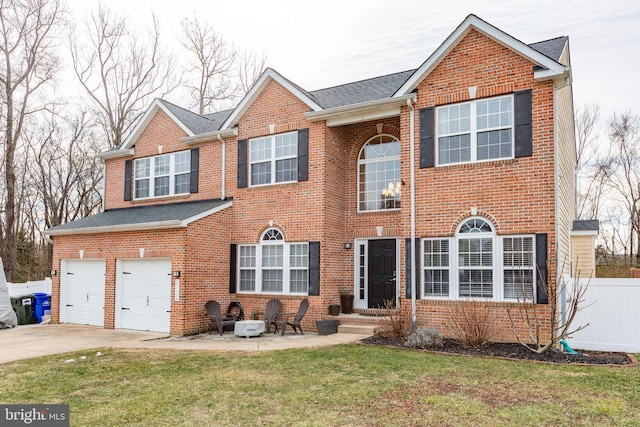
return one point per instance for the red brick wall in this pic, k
(162, 130)
(516, 195)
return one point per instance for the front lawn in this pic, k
(345, 385)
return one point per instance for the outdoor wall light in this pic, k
(175, 274)
(348, 245)
(54, 272)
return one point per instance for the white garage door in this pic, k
(82, 292)
(144, 295)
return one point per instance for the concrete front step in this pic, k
(348, 328)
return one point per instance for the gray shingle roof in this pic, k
(141, 215)
(342, 95)
(196, 123)
(586, 225)
(218, 118)
(361, 91)
(552, 48)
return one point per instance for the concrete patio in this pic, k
(30, 341)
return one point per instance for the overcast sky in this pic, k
(328, 42)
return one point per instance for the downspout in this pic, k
(224, 167)
(412, 145)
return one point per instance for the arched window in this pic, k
(379, 174)
(475, 259)
(273, 265)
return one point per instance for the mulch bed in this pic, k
(518, 352)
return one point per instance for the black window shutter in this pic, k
(427, 146)
(128, 172)
(242, 163)
(541, 268)
(233, 268)
(314, 268)
(195, 161)
(409, 266)
(303, 155)
(522, 122)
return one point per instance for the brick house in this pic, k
(465, 165)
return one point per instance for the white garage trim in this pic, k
(82, 283)
(143, 294)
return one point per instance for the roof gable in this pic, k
(268, 75)
(190, 122)
(157, 104)
(548, 68)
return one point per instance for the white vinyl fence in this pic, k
(612, 309)
(28, 288)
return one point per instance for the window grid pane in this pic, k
(379, 186)
(274, 159)
(247, 264)
(182, 184)
(436, 280)
(475, 131)
(163, 175)
(518, 268)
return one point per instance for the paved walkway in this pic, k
(29, 341)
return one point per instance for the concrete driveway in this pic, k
(29, 341)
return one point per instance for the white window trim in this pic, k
(286, 267)
(376, 160)
(498, 266)
(273, 160)
(172, 176)
(474, 132)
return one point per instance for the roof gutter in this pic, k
(114, 154)
(358, 112)
(208, 136)
(157, 225)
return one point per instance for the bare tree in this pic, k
(28, 63)
(120, 70)
(592, 163)
(250, 67)
(209, 76)
(624, 175)
(64, 171)
(544, 326)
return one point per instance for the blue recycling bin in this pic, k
(42, 303)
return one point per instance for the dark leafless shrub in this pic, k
(395, 323)
(472, 323)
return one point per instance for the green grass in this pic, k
(347, 385)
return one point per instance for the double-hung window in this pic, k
(274, 159)
(274, 266)
(477, 263)
(163, 175)
(475, 131)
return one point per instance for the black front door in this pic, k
(382, 272)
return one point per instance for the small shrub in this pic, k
(424, 338)
(395, 323)
(473, 323)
